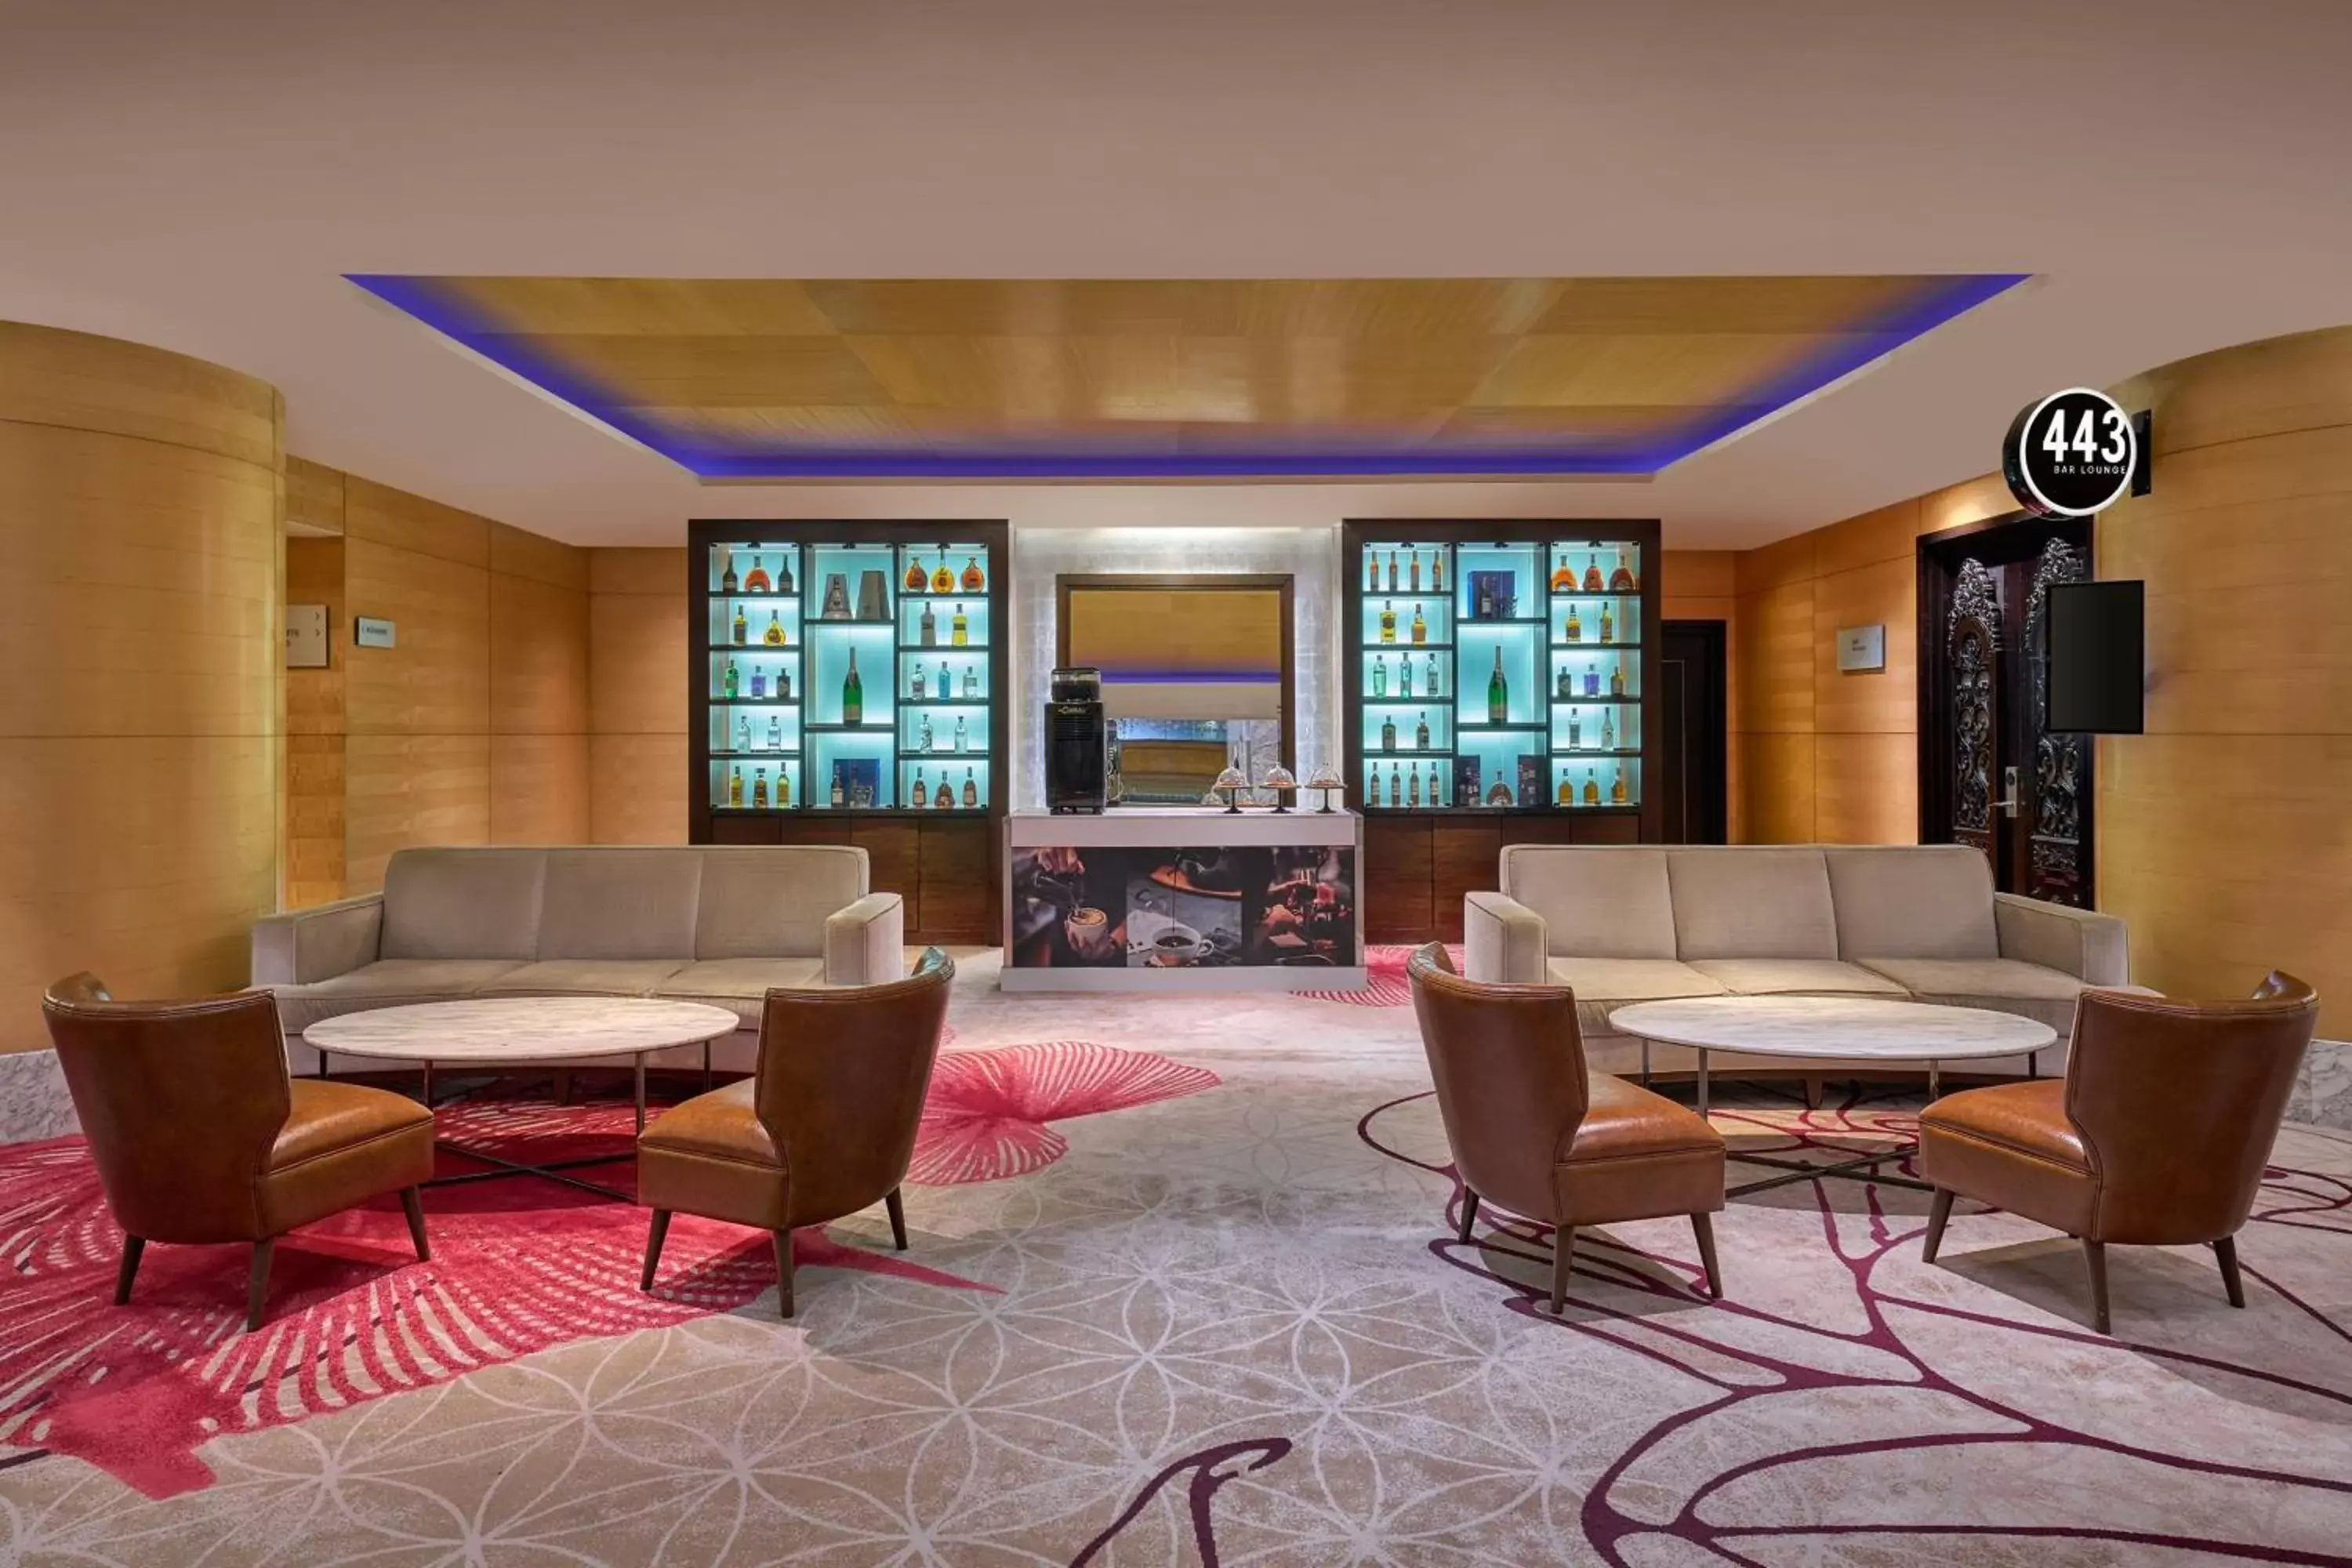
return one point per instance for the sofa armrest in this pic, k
(1503, 941)
(306, 945)
(865, 943)
(2082, 943)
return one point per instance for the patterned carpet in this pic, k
(1183, 1289)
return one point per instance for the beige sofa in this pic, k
(703, 924)
(1917, 922)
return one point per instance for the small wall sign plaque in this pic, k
(306, 637)
(1860, 648)
(368, 632)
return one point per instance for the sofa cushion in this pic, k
(1913, 901)
(1596, 902)
(742, 983)
(1796, 977)
(587, 977)
(463, 903)
(386, 983)
(1603, 984)
(620, 903)
(1751, 903)
(758, 904)
(1996, 984)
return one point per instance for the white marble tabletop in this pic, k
(521, 1028)
(1833, 1026)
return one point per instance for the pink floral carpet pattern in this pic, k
(1234, 1327)
(1386, 984)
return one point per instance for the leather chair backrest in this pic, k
(2179, 1103)
(841, 1081)
(1508, 1064)
(180, 1102)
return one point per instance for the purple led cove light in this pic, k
(431, 301)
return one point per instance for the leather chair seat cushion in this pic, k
(341, 1144)
(1797, 977)
(720, 1123)
(387, 982)
(2010, 1145)
(742, 983)
(586, 976)
(712, 1156)
(1603, 984)
(1638, 1155)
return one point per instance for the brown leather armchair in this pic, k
(201, 1137)
(1533, 1130)
(823, 1127)
(2157, 1136)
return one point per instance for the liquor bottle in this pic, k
(971, 791)
(1591, 682)
(729, 681)
(774, 636)
(741, 633)
(975, 580)
(1413, 788)
(959, 633)
(1420, 735)
(776, 733)
(943, 797)
(1393, 572)
(1593, 573)
(1371, 572)
(838, 797)
(1415, 575)
(922, 795)
(756, 579)
(784, 684)
(727, 584)
(1498, 793)
(1563, 577)
(923, 735)
(1574, 630)
(759, 789)
(1608, 624)
(1420, 628)
(735, 787)
(1404, 676)
(1617, 681)
(1432, 687)
(943, 678)
(1617, 793)
(1396, 787)
(783, 788)
(1388, 734)
(1381, 676)
(959, 732)
(1565, 687)
(1621, 580)
(1607, 732)
(784, 584)
(918, 683)
(743, 732)
(1436, 787)
(853, 694)
(913, 582)
(1484, 608)
(970, 679)
(1388, 622)
(759, 684)
(1592, 788)
(926, 629)
(943, 580)
(1566, 795)
(1437, 571)
(1498, 694)
(1575, 733)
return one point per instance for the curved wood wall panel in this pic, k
(140, 494)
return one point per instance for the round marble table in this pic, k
(519, 1031)
(1858, 1029)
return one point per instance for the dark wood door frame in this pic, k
(1281, 583)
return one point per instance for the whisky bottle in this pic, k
(1420, 628)
(1420, 735)
(756, 579)
(923, 734)
(959, 732)
(1388, 622)
(1617, 795)
(1371, 572)
(1388, 734)
(776, 733)
(744, 733)
(943, 580)
(735, 787)
(774, 636)
(1415, 574)
(1413, 788)
(784, 584)
(1574, 630)
(973, 580)
(1563, 577)
(1621, 580)
(970, 679)
(1381, 676)
(1436, 787)
(1432, 687)
(926, 629)
(913, 582)
(1404, 676)
(742, 628)
(1498, 793)
(1617, 681)
(1607, 732)
(1396, 787)
(971, 791)
(1608, 624)
(838, 797)
(1498, 694)
(729, 681)
(727, 584)
(1393, 572)
(1591, 682)
(1567, 794)
(960, 633)
(1593, 573)
(1592, 788)
(783, 788)
(1437, 571)
(759, 684)
(1565, 687)
(784, 684)
(853, 694)
(759, 788)
(922, 795)
(918, 683)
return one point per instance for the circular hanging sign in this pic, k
(2070, 455)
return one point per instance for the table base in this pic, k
(508, 1169)
(1861, 1168)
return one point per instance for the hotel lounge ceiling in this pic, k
(808, 379)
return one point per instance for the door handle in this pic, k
(2008, 801)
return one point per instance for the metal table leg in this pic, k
(1702, 1080)
(641, 1091)
(706, 1067)
(427, 1095)
(2033, 1064)
(1934, 1081)
(1645, 1061)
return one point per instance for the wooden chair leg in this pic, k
(1938, 1212)
(411, 1200)
(1703, 1226)
(652, 1247)
(897, 1207)
(783, 1239)
(2094, 1259)
(257, 1285)
(1563, 1255)
(133, 1246)
(1469, 1214)
(2226, 1251)
(1813, 1091)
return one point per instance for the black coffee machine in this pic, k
(1075, 743)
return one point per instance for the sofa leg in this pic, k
(1469, 1215)
(2094, 1259)
(412, 1202)
(897, 1207)
(654, 1239)
(783, 1240)
(1703, 1228)
(1938, 1212)
(1563, 1256)
(133, 1246)
(2226, 1251)
(256, 1283)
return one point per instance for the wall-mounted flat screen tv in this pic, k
(2097, 657)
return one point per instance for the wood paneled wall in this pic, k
(139, 746)
(636, 701)
(314, 724)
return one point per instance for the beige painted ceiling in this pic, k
(203, 177)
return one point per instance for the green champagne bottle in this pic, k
(1498, 694)
(853, 694)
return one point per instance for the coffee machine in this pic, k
(1074, 744)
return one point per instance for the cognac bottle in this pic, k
(943, 797)
(1381, 676)
(1420, 735)
(960, 630)
(1574, 630)
(759, 789)
(913, 582)
(774, 636)
(1593, 573)
(1622, 581)
(1563, 577)
(1498, 793)
(1617, 795)
(926, 629)
(1617, 681)
(918, 683)
(943, 580)
(971, 791)
(1420, 628)
(1388, 734)
(756, 579)
(1498, 694)
(838, 796)
(728, 681)
(853, 694)
(922, 795)
(727, 584)
(1592, 788)
(973, 579)
(735, 787)
(1608, 624)
(743, 632)
(1388, 622)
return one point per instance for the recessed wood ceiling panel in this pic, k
(1103, 378)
